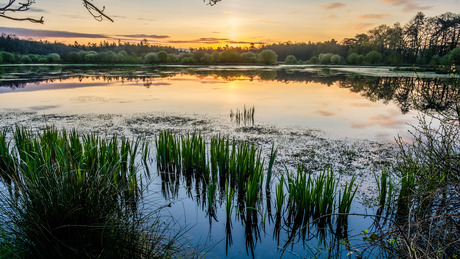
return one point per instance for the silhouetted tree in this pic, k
(13, 6)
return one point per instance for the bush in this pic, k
(454, 56)
(188, 60)
(248, 57)
(8, 57)
(268, 57)
(355, 59)
(336, 59)
(163, 57)
(229, 56)
(206, 58)
(325, 58)
(53, 58)
(173, 58)
(151, 58)
(313, 60)
(25, 60)
(291, 59)
(374, 57)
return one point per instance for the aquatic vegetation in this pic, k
(273, 154)
(346, 198)
(168, 151)
(76, 195)
(279, 200)
(245, 116)
(385, 189)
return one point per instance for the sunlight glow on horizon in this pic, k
(187, 23)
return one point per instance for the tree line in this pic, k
(423, 40)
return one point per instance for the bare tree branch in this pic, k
(96, 12)
(14, 6)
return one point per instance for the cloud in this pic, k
(266, 21)
(201, 40)
(382, 121)
(373, 16)
(325, 113)
(36, 10)
(244, 42)
(147, 36)
(147, 19)
(407, 5)
(334, 6)
(363, 26)
(30, 33)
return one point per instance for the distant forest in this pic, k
(431, 41)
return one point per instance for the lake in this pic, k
(341, 118)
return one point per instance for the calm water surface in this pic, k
(372, 104)
(340, 103)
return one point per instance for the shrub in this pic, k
(313, 60)
(151, 58)
(248, 57)
(325, 58)
(163, 57)
(268, 57)
(173, 58)
(53, 58)
(336, 59)
(374, 57)
(291, 59)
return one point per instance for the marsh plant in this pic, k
(245, 116)
(72, 195)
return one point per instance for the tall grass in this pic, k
(76, 195)
(245, 116)
(346, 198)
(385, 189)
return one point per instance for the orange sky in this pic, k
(192, 23)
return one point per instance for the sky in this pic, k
(193, 23)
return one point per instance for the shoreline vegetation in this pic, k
(41, 169)
(429, 43)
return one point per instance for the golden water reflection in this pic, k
(338, 111)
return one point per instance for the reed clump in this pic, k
(74, 195)
(245, 116)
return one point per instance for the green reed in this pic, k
(385, 189)
(346, 198)
(406, 192)
(75, 195)
(245, 116)
(7, 160)
(193, 150)
(229, 200)
(271, 162)
(279, 200)
(323, 193)
(168, 151)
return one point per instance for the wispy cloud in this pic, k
(407, 5)
(266, 21)
(147, 19)
(334, 6)
(147, 36)
(30, 33)
(244, 42)
(383, 121)
(325, 113)
(214, 41)
(373, 16)
(363, 26)
(201, 40)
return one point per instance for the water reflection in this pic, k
(340, 103)
(409, 93)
